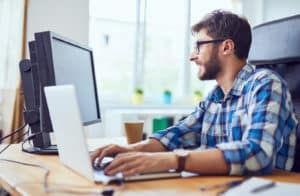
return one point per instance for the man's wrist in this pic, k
(181, 156)
(169, 159)
(174, 160)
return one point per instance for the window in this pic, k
(146, 44)
(112, 37)
(164, 46)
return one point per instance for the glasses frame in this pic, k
(199, 43)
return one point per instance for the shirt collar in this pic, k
(217, 94)
(241, 80)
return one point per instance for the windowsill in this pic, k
(148, 106)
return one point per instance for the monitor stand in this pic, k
(37, 150)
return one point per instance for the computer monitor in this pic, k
(60, 61)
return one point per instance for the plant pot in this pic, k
(138, 98)
(197, 98)
(167, 98)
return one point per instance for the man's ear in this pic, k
(228, 47)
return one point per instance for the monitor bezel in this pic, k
(47, 74)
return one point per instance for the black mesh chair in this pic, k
(276, 45)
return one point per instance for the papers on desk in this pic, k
(279, 189)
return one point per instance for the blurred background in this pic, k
(141, 51)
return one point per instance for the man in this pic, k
(246, 125)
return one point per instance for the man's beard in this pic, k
(212, 67)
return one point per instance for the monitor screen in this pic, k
(63, 61)
(74, 65)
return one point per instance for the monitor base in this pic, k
(36, 150)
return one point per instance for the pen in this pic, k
(227, 184)
(263, 187)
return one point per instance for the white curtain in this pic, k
(11, 29)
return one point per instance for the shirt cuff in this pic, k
(166, 138)
(234, 157)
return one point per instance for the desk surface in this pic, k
(18, 179)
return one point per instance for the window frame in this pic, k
(140, 49)
(184, 92)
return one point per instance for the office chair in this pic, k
(276, 45)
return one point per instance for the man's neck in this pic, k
(226, 78)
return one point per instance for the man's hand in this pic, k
(109, 150)
(140, 162)
(150, 145)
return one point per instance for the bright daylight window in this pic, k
(112, 37)
(141, 43)
(164, 49)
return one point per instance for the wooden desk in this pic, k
(23, 180)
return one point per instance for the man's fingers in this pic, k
(125, 167)
(114, 164)
(122, 163)
(97, 153)
(133, 171)
(111, 151)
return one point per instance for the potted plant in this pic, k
(138, 96)
(167, 96)
(197, 96)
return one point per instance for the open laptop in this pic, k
(71, 140)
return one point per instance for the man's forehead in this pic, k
(202, 35)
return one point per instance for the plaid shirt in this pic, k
(254, 127)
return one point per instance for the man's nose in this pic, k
(193, 56)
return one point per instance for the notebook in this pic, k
(263, 187)
(71, 141)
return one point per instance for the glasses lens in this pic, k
(199, 43)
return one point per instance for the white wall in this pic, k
(69, 18)
(275, 9)
(253, 11)
(260, 11)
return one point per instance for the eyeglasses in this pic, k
(199, 43)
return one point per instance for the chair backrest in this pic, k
(276, 45)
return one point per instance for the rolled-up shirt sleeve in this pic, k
(269, 133)
(185, 133)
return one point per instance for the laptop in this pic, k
(71, 141)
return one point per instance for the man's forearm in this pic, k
(207, 162)
(150, 145)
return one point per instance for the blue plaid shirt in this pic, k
(255, 126)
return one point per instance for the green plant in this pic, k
(139, 91)
(198, 92)
(167, 92)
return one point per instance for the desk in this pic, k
(23, 180)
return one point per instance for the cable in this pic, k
(21, 137)
(32, 165)
(46, 189)
(28, 138)
(17, 139)
(12, 133)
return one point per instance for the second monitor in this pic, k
(60, 60)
